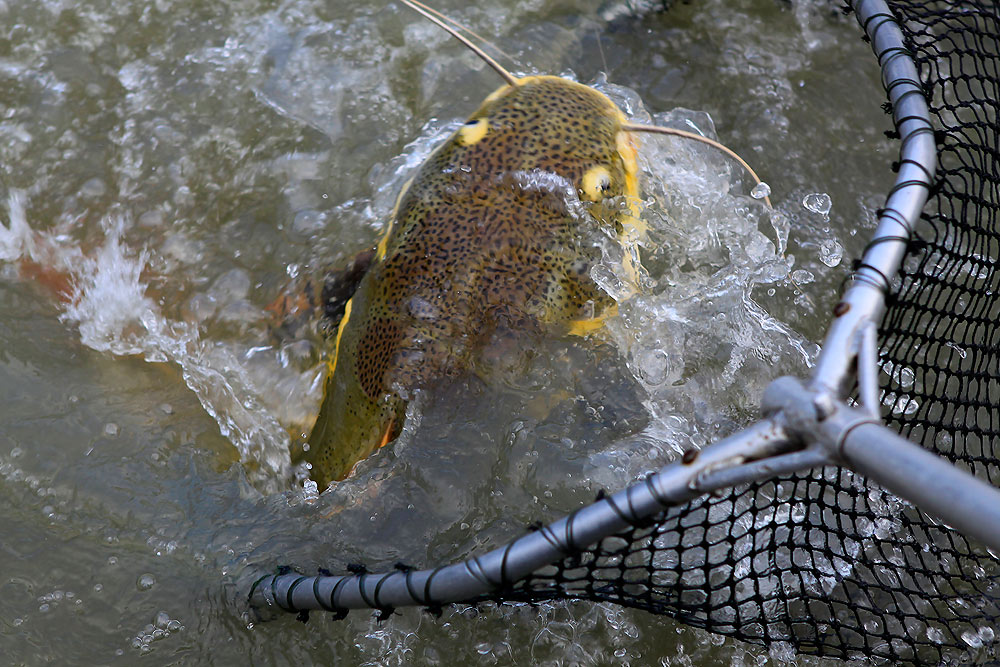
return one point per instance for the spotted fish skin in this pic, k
(486, 238)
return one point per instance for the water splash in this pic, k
(110, 304)
(695, 338)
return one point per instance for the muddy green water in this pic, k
(179, 160)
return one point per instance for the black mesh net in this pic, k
(823, 560)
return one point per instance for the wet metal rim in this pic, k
(804, 426)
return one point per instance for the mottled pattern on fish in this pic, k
(486, 237)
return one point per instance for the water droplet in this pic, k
(972, 639)
(653, 366)
(905, 377)
(760, 191)
(817, 202)
(830, 252)
(961, 351)
(802, 277)
(145, 582)
(935, 635)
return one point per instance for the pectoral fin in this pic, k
(584, 327)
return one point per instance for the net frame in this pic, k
(811, 425)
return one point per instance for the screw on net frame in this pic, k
(778, 533)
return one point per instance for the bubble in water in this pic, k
(111, 429)
(817, 202)
(162, 620)
(145, 582)
(761, 190)
(830, 251)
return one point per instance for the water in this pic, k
(181, 161)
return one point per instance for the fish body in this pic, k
(486, 238)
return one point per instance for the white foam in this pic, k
(111, 307)
(16, 239)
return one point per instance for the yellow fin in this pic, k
(332, 363)
(589, 325)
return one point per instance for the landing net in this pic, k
(824, 560)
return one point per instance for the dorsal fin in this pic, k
(430, 15)
(656, 129)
